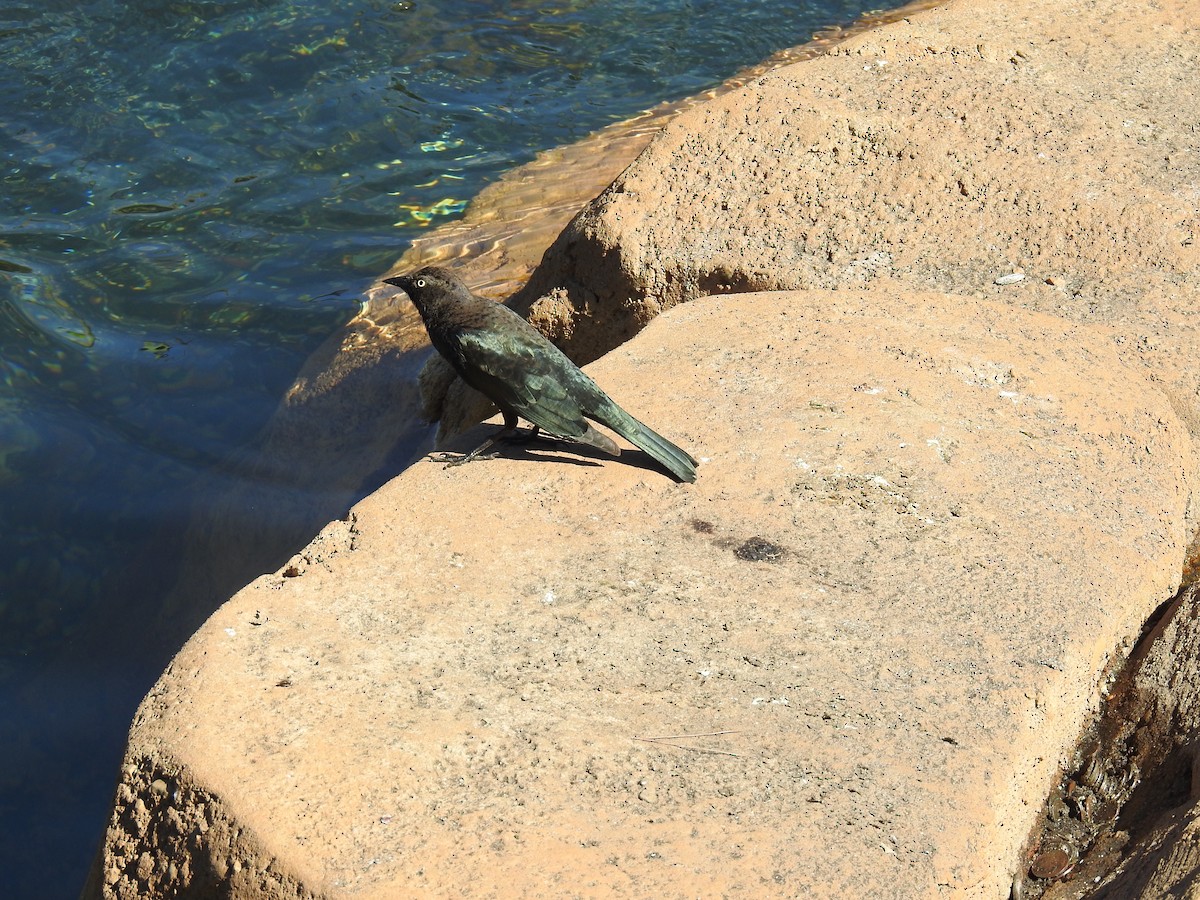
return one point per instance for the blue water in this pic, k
(193, 194)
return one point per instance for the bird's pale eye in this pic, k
(420, 282)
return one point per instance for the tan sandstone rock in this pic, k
(924, 528)
(990, 137)
(847, 662)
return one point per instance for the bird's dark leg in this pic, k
(522, 436)
(533, 433)
(504, 434)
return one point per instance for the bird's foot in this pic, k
(459, 459)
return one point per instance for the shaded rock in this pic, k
(350, 421)
(1166, 865)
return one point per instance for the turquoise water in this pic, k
(192, 195)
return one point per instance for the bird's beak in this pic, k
(398, 281)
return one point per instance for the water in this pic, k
(192, 195)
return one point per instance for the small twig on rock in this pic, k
(668, 739)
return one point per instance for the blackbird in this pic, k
(507, 360)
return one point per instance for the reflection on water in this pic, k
(192, 196)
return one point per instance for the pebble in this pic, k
(1011, 278)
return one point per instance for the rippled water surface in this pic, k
(192, 195)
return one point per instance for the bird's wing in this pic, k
(518, 369)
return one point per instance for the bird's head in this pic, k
(429, 284)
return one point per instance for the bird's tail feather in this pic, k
(599, 441)
(678, 462)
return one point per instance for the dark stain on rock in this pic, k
(754, 549)
(758, 549)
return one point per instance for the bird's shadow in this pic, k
(542, 448)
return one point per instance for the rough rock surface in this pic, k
(862, 641)
(506, 229)
(1051, 138)
(924, 528)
